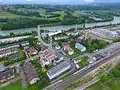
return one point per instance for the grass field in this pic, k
(13, 87)
(111, 85)
(8, 15)
(18, 86)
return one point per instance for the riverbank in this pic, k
(62, 27)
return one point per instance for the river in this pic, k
(54, 28)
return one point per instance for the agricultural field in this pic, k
(28, 16)
(8, 15)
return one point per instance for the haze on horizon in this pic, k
(55, 1)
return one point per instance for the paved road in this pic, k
(23, 77)
(64, 83)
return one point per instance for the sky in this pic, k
(56, 1)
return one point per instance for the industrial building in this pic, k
(59, 69)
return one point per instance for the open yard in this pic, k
(111, 85)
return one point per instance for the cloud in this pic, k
(29, 0)
(88, 1)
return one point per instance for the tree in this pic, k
(105, 78)
(116, 72)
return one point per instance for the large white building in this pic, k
(80, 47)
(59, 69)
(54, 33)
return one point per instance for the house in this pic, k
(30, 73)
(48, 56)
(59, 69)
(68, 49)
(25, 43)
(2, 67)
(9, 46)
(32, 51)
(4, 53)
(7, 75)
(80, 47)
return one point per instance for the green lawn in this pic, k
(13, 87)
(8, 15)
(111, 85)
(18, 86)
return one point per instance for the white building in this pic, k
(59, 69)
(72, 33)
(60, 37)
(54, 33)
(80, 47)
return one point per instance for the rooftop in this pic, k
(6, 74)
(59, 67)
(30, 71)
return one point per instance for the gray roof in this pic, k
(2, 68)
(79, 46)
(6, 74)
(59, 67)
(30, 71)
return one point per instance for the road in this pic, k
(23, 77)
(64, 83)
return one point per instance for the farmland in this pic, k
(28, 16)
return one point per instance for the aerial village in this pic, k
(48, 56)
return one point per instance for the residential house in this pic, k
(13, 45)
(30, 73)
(68, 49)
(2, 67)
(7, 75)
(32, 51)
(4, 53)
(25, 43)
